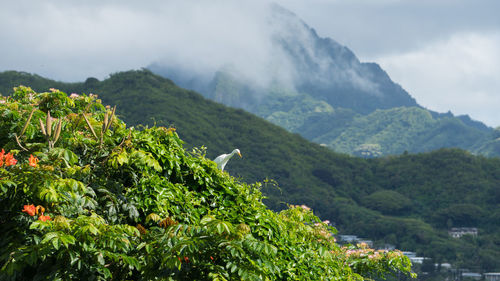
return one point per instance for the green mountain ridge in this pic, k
(391, 131)
(408, 128)
(444, 188)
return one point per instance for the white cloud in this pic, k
(460, 73)
(72, 40)
(70, 43)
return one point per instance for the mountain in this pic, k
(319, 67)
(409, 201)
(318, 88)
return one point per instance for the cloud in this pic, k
(460, 73)
(73, 40)
(205, 37)
(375, 27)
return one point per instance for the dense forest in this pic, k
(410, 200)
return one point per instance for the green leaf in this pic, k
(67, 240)
(56, 242)
(234, 267)
(62, 153)
(91, 228)
(122, 158)
(206, 220)
(49, 236)
(100, 258)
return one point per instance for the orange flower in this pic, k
(39, 210)
(30, 209)
(33, 160)
(1, 157)
(9, 160)
(44, 218)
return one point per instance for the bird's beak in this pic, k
(240, 155)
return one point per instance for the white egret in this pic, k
(221, 160)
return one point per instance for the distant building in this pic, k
(446, 266)
(419, 260)
(492, 276)
(410, 254)
(471, 276)
(413, 257)
(353, 239)
(348, 238)
(457, 232)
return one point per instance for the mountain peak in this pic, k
(298, 60)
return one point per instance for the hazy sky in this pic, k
(445, 53)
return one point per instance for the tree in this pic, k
(85, 197)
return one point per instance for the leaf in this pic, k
(62, 153)
(73, 257)
(220, 228)
(122, 158)
(67, 240)
(49, 236)
(37, 225)
(206, 220)
(154, 217)
(56, 242)
(91, 228)
(234, 267)
(49, 194)
(100, 258)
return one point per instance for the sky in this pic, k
(445, 53)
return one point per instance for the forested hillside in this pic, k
(409, 200)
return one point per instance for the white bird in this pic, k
(221, 160)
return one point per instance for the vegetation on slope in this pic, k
(322, 119)
(446, 188)
(410, 129)
(84, 197)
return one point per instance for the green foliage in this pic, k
(333, 184)
(107, 202)
(387, 202)
(467, 215)
(402, 129)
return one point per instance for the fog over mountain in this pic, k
(298, 62)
